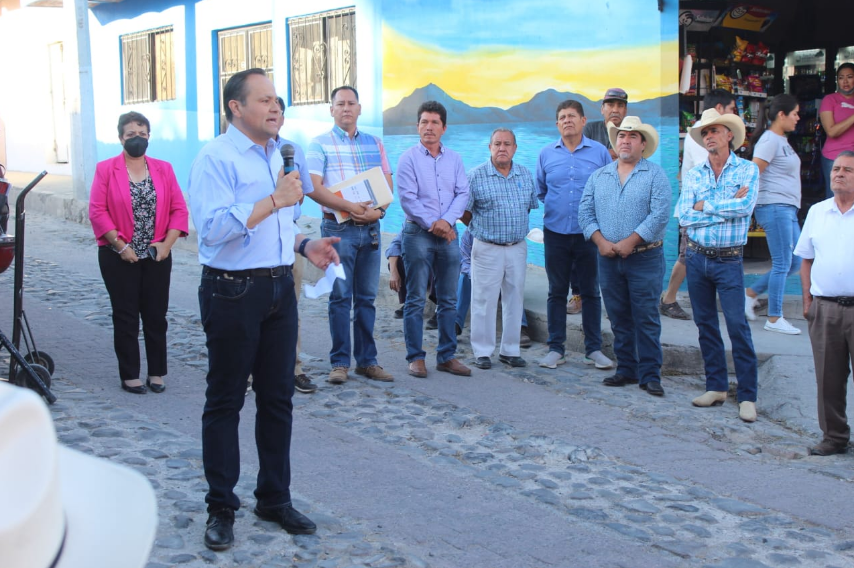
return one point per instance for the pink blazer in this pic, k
(110, 205)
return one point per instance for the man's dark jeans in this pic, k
(561, 252)
(631, 287)
(724, 276)
(251, 327)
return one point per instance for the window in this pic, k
(148, 66)
(241, 49)
(323, 55)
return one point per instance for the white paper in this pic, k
(535, 236)
(324, 285)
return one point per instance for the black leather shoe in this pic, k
(219, 533)
(483, 363)
(512, 361)
(618, 381)
(139, 389)
(289, 518)
(155, 387)
(654, 388)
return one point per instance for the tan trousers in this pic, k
(298, 269)
(831, 328)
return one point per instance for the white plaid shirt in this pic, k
(724, 220)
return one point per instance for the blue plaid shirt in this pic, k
(724, 220)
(500, 205)
(641, 205)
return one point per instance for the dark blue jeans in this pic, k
(360, 256)
(424, 252)
(251, 327)
(723, 277)
(562, 252)
(631, 287)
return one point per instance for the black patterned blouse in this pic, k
(144, 202)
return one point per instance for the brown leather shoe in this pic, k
(375, 372)
(454, 367)
(828, 448)
(418, 369)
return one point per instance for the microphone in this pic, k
(288, 158)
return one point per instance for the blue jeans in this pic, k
(359, 252)
(826, 167)
(424, 252)
(251, 327)
(724, 277)
(631, 288)
(781, 231)
(464, 301)
(562, 253)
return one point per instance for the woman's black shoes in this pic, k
(155, 387)
(139, 389)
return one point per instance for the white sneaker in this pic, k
(552, 360)
(782, 326)
(599, 359)
(749, 307)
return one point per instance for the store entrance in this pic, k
(760, 49)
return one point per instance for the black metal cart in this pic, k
(32, 368)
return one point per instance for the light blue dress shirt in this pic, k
(640, 205)
(561, 177)
(228, 176)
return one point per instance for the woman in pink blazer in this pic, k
(137, 213)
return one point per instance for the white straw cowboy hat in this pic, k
(62, 508)
(634, 124)
(712, 116)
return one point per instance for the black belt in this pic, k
(716, 252)
(275, 272)
(331, 217)
(841, 300)
(500, 244)
(647, 246)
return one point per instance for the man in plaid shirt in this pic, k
(715, 206)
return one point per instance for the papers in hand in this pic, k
(324, 285)
(367, 186)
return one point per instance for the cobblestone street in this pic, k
(508, 468)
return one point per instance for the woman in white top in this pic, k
(777, 208)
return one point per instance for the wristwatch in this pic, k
(382, 213)
(304, 242)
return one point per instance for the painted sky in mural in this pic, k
(502, 53)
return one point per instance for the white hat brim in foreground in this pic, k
(111, 513)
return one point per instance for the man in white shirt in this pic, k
(693, 155)
(827, 280)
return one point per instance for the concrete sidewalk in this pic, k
(787, 388)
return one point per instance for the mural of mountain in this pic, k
(401, 118)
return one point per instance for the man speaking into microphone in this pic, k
(243, 209)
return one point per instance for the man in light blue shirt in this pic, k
(624, 211)
(715, 205)
(242, 207)
(433, 191)
(562, 172)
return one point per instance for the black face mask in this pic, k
(136, 146)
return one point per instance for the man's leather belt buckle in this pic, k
(331, 217)
(845, 301)
(725, 252)
(274, 272)
(646, 247)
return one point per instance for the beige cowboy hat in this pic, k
(634, 124)
(712, 116)
(62, 508)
